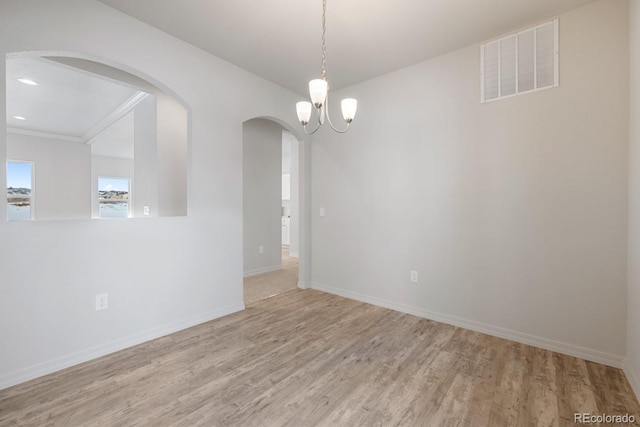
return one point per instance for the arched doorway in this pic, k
(272, 209)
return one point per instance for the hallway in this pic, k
(276, 282)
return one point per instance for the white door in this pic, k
(286, 231)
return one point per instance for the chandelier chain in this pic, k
(324, 41)
(318, 89)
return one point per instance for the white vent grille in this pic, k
(518, 63)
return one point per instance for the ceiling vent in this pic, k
(519, 63)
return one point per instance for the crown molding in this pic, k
(114, 116)
(49, 135)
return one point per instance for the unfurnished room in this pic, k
(320, 213)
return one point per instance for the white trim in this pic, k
(40, 134)
(496, 331)
(303, 285)
(114, 116)
(500, 66)
(520, 93)
(482, 46)
(517, 64)
(535, 56)
(632, 377)
(66, 361)
(556, 46)
(261, 270)
(34, 190)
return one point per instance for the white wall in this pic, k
(163, 274)
(145, 155)
(632, 367)
(172, 156)
(262, 195)
(117, 140)
(62, 184)
(513, 212)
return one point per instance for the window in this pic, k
(113, 197)
(19, 191)
(520, 63)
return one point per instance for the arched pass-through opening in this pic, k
(274, 226)
(126, 134)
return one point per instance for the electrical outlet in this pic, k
(414, 276)
(260, 249)
(322, 212)
(147, 210)
(102, 302)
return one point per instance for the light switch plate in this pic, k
(414, 276)
(102, 302)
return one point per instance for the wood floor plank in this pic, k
(574, 389)
(307, 358)
(511, 378)
(541, 407)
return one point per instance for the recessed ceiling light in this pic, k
(28, 82)
(19, 118)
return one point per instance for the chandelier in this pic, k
(318, 91)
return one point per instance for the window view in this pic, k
(113, 197)
(19, 190)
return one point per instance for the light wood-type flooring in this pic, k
(276, 282)
(307, 358)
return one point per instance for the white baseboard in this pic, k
(303, 285)
(496, 331)
(632, 377)
(257, 271)
(45, 368)
(294, 254)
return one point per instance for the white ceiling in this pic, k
(67, 101)
(280, 39)
(70, 103)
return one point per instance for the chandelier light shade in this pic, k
(304, 112)
(318, 89)
(349, 107)
(319, 94)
